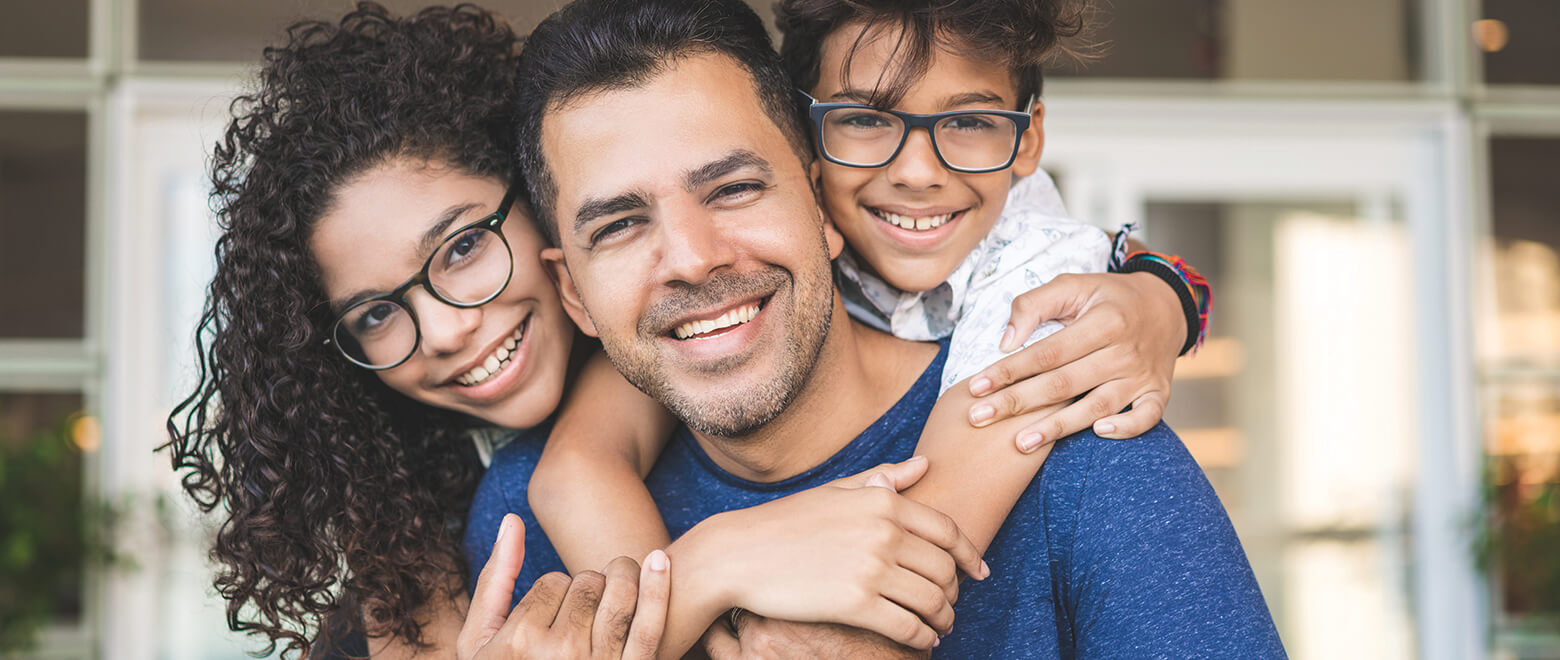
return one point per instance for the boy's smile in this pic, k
(914, 220)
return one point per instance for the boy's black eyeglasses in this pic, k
(970, 141)
(470, 267)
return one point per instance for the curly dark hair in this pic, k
(1018, 34)
(339, 492)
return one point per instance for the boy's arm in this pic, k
(588, 492)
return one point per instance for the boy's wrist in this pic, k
(1164, 295)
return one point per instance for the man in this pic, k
(666, 163)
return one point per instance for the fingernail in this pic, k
(657, 560)
(982, 413)
(1007, 339)
(937, 642)
(503, 526)
(1103, 428)
(985, 570)
(915, 459)
(980, 385)
(1030, 441)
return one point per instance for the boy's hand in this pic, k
(1123, 333)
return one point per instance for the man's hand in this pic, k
(617, 614)
(1123, 334)
(762, 637)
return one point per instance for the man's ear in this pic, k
(1031, 143)
(558, 270)
(831, 233)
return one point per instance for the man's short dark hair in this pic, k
(1018, 34)
(599, 45)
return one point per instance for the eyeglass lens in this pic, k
(468, 269)
(869, 138)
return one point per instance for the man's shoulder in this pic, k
(517, 458)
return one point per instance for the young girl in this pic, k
(924, 118)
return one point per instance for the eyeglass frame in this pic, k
(492, 222)
(817, 109)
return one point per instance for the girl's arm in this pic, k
(588, 492)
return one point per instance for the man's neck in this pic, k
(859, 375)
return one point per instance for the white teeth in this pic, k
(922, 223)
(733, 317)
(493, 363)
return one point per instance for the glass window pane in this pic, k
(1254, 40)
(196, 30)
(1518, 37)
(1520, 353)
(43, 174)
(1315, 469)
(57, 28)
(42, 438)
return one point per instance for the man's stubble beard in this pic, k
(734, 414)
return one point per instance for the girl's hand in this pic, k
(847, 552)
(1123, 333)
(619, 614)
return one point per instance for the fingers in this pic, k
(720, 644)
(941, 530)
(921, 596)
(894, 476)
(1053, 387)
(1066, 346)
(1146, 412)
(1061, 298)
(539, 608)
(1103, 402)
(655, 591)
(578, 612)
(495, 588)
(932, 563)
(609, 630)
(893, 621)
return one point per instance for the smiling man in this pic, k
(668, 166)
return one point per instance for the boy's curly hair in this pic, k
(339, 493)
(1019, 34)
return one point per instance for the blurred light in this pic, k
(1219, 357)
(1491, 35)
(85, 433)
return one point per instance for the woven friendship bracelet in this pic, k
(1196, 296)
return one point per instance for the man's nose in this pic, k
(446, 329)
(693, 246)
(917, 167)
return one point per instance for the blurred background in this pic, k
(1372, 186)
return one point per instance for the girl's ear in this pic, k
(558, 271)
(1031, 143)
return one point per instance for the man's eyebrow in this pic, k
(435, 233)
(736, 160)
(596, 208)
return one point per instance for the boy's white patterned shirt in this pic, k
(1033, 242)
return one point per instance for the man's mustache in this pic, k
(723, 288)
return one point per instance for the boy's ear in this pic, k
(558, 271)
(1031, 143)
